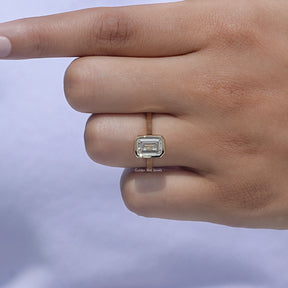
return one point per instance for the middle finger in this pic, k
(128, 85)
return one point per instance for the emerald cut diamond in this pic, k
(149, 147)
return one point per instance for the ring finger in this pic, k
(110, 140)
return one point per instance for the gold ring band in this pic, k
(149, 123)
(149, 161)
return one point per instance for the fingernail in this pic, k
(5, 47)
(150, 182)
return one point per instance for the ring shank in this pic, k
(149, 162)
(149, 123)
(149, 165)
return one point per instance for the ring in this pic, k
(149, 146)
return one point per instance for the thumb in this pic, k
(144, 30)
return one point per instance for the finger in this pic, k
(109, 140)
(144, 30)
(175, 194)
(129, 85)
(183, 195)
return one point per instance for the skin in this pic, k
(214, 73)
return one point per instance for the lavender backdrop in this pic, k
(62, 220)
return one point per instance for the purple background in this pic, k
(62, 219)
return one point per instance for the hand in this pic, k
(215, 75)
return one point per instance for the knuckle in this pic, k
(110, 27)
(242, 143)
(235, 34)
(73, 85)
(240, 28)
(37, 35)
(226, 93)
(94, 137)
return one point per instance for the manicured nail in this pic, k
(5, 47)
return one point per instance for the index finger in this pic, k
(142, 30)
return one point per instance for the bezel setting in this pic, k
(149, 146)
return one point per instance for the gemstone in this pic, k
(149, 147)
